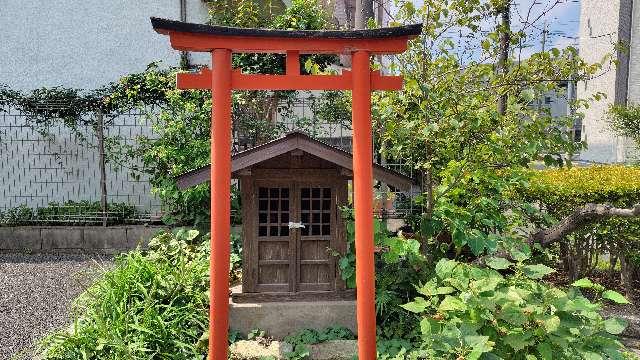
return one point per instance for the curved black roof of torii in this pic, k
(164, 25)
(293, 141)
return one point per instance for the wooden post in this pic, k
(102, 163)
(363, 205)
(220, 203)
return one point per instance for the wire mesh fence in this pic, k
(52, 176)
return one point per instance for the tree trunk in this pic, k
(613, 260)
(102, 163)
(626, 275)
(584, 215)
(364, 12)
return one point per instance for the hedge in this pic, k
(561, 190)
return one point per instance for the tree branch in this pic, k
(584, 215)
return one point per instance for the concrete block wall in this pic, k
(112, 239)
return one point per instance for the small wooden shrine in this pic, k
(292, 190)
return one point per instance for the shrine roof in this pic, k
(293, 141)
(164, 26)
(205, 38)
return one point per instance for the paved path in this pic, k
(36, 291)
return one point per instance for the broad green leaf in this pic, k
(484, 285)
(590, 355)
(476, 243)
(425, 326)
(513, 315)
(498, 263)
(428, 289)
(545, 351)
(192, 234)
(417, 306)
(537, 271)
(552, 323)
(518, 341)
(444, 267)
(479, 345)
(451, 303)
(522, 254)
(444, 290)
(584, 283)
(459, 238)
(615, 326)
(615, 297)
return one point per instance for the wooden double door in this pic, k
(295, 230)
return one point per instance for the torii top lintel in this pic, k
(204, 38)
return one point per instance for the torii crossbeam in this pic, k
(221, 42)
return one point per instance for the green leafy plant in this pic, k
(446, 125)
(624, 120)
(399, 264)
(150, 305)
(300, 340)
(472, 312)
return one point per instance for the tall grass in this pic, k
(152, 305)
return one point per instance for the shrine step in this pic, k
(330, 350)
(280, 319)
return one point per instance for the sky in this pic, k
(561, 17)
(563, 21)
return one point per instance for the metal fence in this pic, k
(53, 176)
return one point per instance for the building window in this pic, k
(547, 100)
(577, 130)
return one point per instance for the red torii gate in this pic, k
(222, 79)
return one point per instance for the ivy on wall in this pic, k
(179, 119)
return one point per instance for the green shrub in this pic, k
(468, 312)
(70, 213)
(300, 340)
(559, 192)
(624, 120)
(399, 265)
(463, 311)
(151, 305)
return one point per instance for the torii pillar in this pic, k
(222, 42)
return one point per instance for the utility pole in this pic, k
(544, 36)
(185, 61)
(544, 48)
(505, 40)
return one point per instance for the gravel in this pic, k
(36, 292)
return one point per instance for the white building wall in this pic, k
(631, 153)
(84, 43)
(598, 35)
(81, 44)
(633, 82)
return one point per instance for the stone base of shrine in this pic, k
(281, 318)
